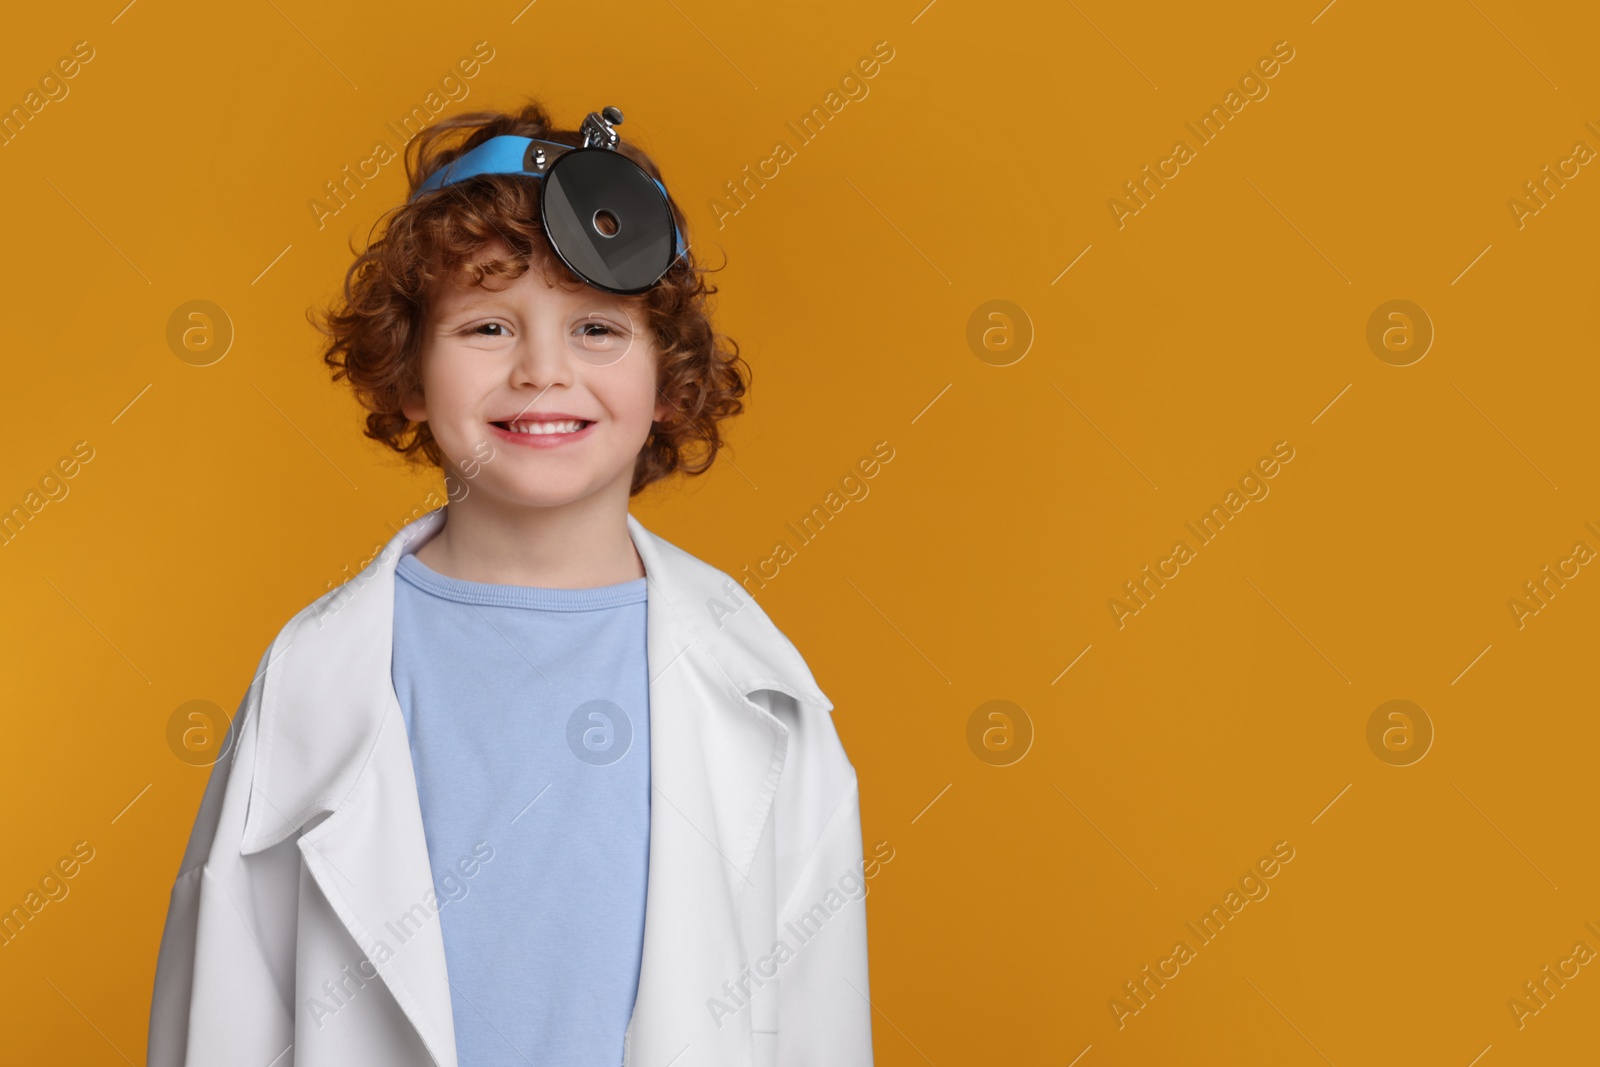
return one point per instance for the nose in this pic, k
(541, 359)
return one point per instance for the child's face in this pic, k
(493, 359)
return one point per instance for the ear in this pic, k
(414, 408)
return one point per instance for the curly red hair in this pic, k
(374, 333)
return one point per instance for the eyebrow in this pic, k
(495, 300)
(475, 304)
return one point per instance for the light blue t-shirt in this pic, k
(527, 711)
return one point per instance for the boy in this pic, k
(537, 786)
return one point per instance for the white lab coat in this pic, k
(303, 926)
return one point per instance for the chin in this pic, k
(548, 493)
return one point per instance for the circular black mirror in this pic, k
(608, 220)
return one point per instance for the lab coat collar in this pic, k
(332, 760)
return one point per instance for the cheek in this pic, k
(633, 396)
(449, 381)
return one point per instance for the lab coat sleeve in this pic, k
(224, 975)
(824, 1014)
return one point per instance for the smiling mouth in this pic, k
(543, 428)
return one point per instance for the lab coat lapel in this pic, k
(715, 762)
(334, 739)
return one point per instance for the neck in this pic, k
(578, 545)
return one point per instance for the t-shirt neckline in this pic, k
(494, 594)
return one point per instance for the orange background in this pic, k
(1229, 313)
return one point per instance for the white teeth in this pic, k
(568, 426)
